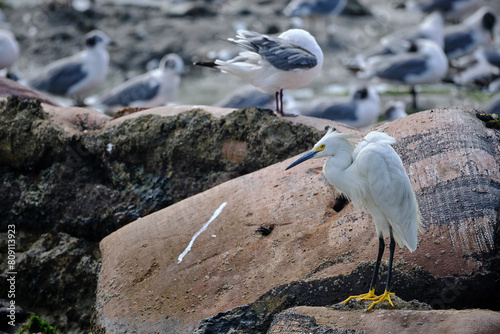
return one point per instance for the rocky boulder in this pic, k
(74, 175)
(234, 256)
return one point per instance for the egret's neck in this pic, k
(336, 170)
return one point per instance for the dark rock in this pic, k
(56, 278)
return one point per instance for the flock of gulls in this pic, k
(460, 51)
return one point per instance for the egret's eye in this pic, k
(322, 146)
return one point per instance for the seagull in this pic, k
(491, 55)
(150, 89)
(423, 63)
(361, 111)
(431, 27)
(302, 8)
(395, 110)
(272, 64)
(476, 30)
(480, 72)
(77, 75)
(453, 9)
(9, 49)
(371, 174)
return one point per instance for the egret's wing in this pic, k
(389, 190)
(142, 88)
(280, 53)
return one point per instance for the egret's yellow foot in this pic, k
(385, 296)
(365, 296)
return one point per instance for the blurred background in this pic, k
(147, 30)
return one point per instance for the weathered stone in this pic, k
(325, 320)
(76, 172)
(57, 273)
(452, 161)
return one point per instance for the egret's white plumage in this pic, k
(272, 64)
(371, 174)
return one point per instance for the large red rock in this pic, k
(452, 161)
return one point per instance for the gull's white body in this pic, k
(164, 81)
(256, 70)
(93, 62)
(428, 64)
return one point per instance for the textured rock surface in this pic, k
(76, 173)
(324, 320)
(452, 161)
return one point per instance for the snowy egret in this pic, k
(77, 75)
(150, 89)
(372, 175)
(272, 64)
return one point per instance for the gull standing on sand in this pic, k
(272, 64)
(79, 74)
(151, 89)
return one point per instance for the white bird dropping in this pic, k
(188, 248)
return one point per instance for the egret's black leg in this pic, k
(387, 294)
(370, 295)
(392, 246)
(381, 246)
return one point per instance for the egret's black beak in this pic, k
(303, 158)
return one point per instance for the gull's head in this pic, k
(305, 40)
(173, 63)
(331, 143)
(97, 38)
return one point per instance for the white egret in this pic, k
(372, 175)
